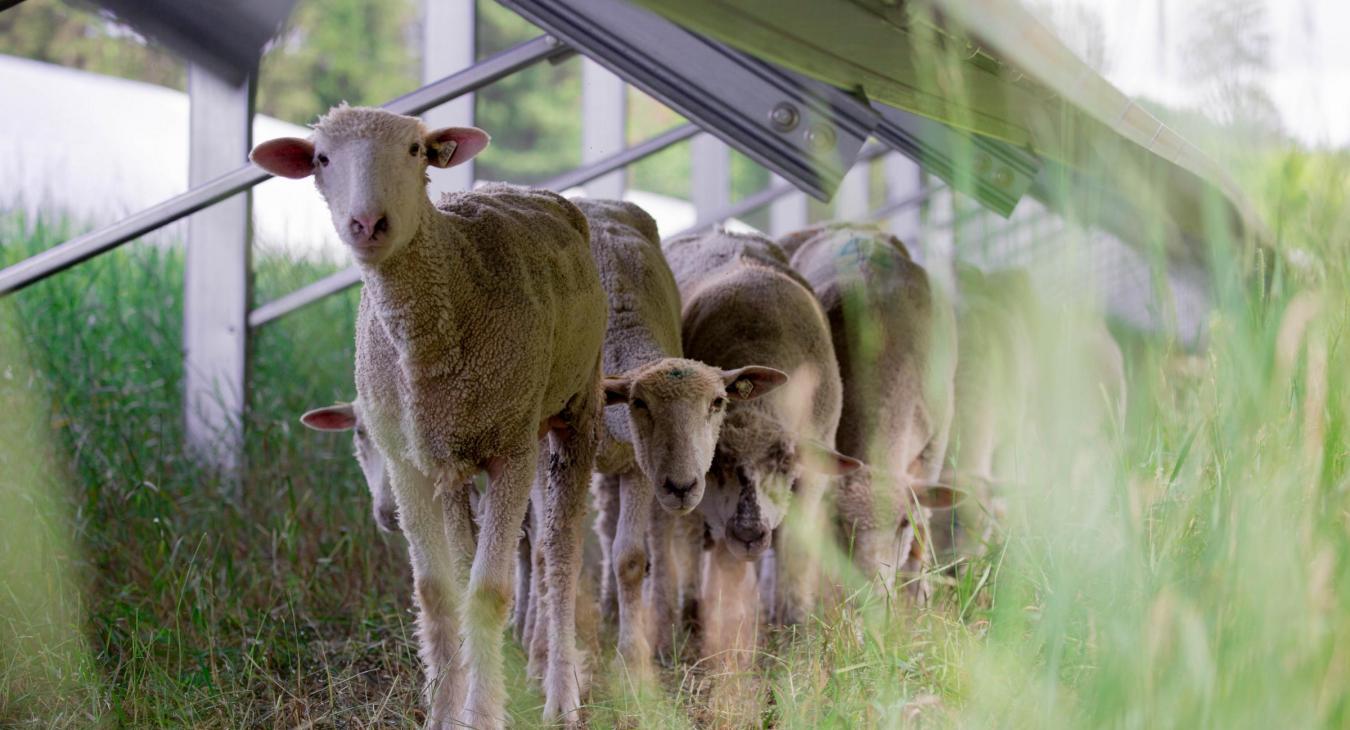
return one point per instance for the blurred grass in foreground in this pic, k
(1194, 572)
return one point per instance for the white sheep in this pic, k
(743, 304)
(662, 421)
(894, 338)
(347, 417)
(479, 331)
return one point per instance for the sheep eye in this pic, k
(323, 159)
(718, 404)
(639, 404)
(414, 149)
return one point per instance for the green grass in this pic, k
(1194, 572)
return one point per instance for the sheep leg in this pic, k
(524, 564)
(729, 609)
(572, 456)
(536, 620)
(629, 559)
(606, 490)
(661, 578)
(490, 583)
(688, 554)
(437, 583)
(794, 548)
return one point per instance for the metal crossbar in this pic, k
(351, 276)
(759, 199)
(82, 248)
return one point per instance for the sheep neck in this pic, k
(411, 290)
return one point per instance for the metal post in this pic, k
(787, 214)
(218, 280)
(904, 179)
(851, 202)
(604, 111)
(939, 234)
(709, 176)
(449, 40)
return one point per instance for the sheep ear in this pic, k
(616, 390)
(285, 157)
(752, 381)
(450, 146)
(822, 459)
(936, 495)
(338, 417)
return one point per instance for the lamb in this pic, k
(894, 338)
(347, 417)
(478, 333)
(744, 303)
(661, 422)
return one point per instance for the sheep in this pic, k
(743, 303)
(347, 417)
(996, 387)
(661, 422)
(478, 334)
(893, 337)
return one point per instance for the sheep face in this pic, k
(675, 410)
(347, 416)
(750, 485)
(370, 165)
(876, 513)
(755, 470)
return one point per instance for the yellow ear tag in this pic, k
(745, 388)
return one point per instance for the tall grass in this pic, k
(1192, 570)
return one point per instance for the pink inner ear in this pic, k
(469, 141)
(847, 464)
(285, 157)
(616, 390)
(336, 418)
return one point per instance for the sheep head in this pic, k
(675, 409)
(755, 469)
(347, 416)
(370, 165)
(875, 507)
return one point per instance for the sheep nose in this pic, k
(679, 490)
(750, 534)
(369, 226)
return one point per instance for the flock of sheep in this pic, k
(735, 398)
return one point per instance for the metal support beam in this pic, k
(767, 196)
(449, 41)
(218, 273)
(709, 175)
(63, 256)
(994, 173)
(808, 132)
(604, 113)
